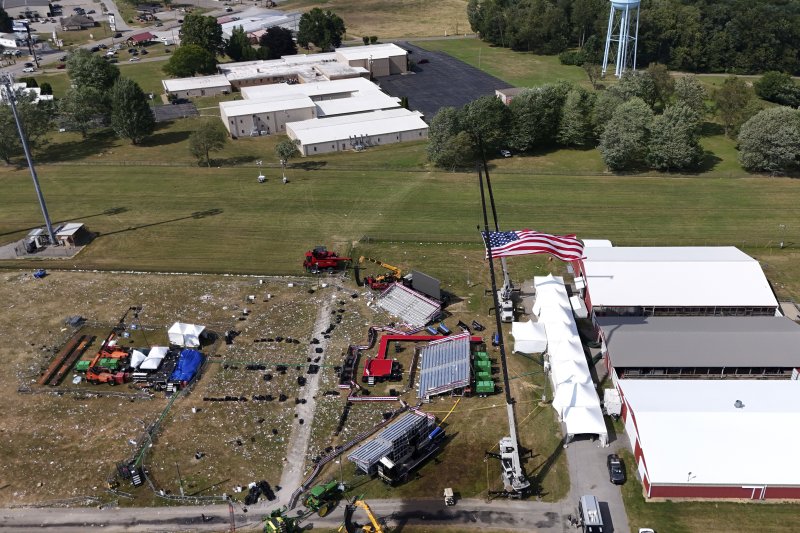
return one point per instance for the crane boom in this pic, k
(376, 526)
(396, 272)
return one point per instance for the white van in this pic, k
(589, 513)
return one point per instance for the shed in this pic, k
(141, 38)
(71, 234)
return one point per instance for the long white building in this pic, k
(357, 131)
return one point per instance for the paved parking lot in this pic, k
(442, 81)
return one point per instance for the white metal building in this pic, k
(378, 59)
(358, 131)
(714, 438)
(197, 86)
(250, 118)
(636, 281)
(324, 90)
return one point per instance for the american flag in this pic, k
(506, 243)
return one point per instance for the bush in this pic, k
(778, 87)
(572, 57)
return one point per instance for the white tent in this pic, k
(529, 337)
(154, 358)
(585, 420)
(137, 358)
(569, 371)
(185, 334)
(572, 394)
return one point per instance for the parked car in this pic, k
(103, 46)
(91, 12)
(228, 10)
(28, 64)
(63, 58)
(94, 49)
(159, 24)
(62, 66)
(117, 35)
(144, 52)
(616, 470)
(29, 69)
(134, 59)
(131, 50)
(505, 153)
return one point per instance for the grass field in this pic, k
(520, 69)
(393, 18)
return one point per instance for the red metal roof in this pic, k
(142, 37)
(378, 367)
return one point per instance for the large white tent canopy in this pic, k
(185, 334)
(575, 399)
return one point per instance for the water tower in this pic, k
(620, 44)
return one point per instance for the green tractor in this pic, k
(279, 522)
(322, 498)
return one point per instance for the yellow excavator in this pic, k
(351, 527)
(378, 283)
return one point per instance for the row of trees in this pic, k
(647, 121)
(741, 36)
(98, 97)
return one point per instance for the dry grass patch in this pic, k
(394, 18)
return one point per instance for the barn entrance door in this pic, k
(758, 492)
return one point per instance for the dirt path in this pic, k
(294, 466)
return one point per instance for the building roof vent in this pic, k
(738, 404)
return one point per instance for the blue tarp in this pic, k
(188, 363)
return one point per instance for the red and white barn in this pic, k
(673, 281)
(714, 438)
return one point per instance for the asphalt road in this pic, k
(502, 514)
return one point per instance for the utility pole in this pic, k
(6, 81)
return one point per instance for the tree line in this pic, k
(202, 42)
(647, 121)
(730, 36)
(98, 98)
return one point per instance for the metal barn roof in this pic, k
(410, 306)
(691, 433)
(373, 51)
(445, 366)
(367, 102)
(722, 276)
(237, 108)
(758, 341)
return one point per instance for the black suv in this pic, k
(616, 470)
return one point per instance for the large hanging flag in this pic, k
(506, 243)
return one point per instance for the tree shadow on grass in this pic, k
(231, 161)
(196, 215)
(308, 165)
(711, 128)
(95, 143)
(709, 162)
(167, 137)
(107, 212)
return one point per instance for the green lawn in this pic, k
(520, 69)
(147, 74)
(382, 194)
